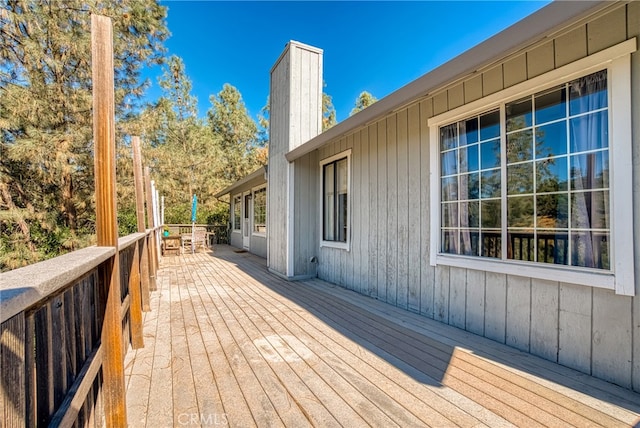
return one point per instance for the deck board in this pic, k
(229, 344)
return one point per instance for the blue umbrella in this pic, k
(194, 207)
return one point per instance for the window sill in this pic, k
(592, 278)
(334, 244)
(261, 235)
(236, 231)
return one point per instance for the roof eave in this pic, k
(254, 175)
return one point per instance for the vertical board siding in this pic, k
(588, 329)
(373, 229)
(611, 358)
(13, 360)
(544, 319)
(413, 196)
(383, 228)
(278, 168)
(574, 344)
(495, 320)
(457, 297)
(518, 312)
(475, 306)
(633, 26)
(392, 210)
(402, 295)
(427, 272)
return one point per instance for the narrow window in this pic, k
(335, 183)
(260, 211)
(237, 209)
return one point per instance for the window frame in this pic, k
(617, 61)
(253, 198)
(336, 244)
(236, 228)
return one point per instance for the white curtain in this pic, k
(589, 208)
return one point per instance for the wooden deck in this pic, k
(229, 344)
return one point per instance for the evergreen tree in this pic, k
(179, 146)
(364, 100)
(46, 158)
(237, 133)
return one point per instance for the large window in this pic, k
(556, 154)
(237, 212)
(335, 199)
(260, 210)
(535, 180)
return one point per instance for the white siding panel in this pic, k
(392, 210)
(427, 272)
(612, 337)
(457, 297)
(474, 321)
(374, 225)
(441, 294)
(495, 320)
(574, 348)
(403, 209)
(383, 229)
(353, 269)
(414, 194)
(544, 319)
(518, 312)
(365, 220)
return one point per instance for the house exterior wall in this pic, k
(590, 329)
(258, 242)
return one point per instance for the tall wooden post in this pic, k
(153, 258)
(106, 217)
(144, 254)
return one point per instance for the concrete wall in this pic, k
(589, 329)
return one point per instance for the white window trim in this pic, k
(334, 244)
(236, 228)
(253, 197)
(617, 60)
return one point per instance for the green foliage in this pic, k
(220, 215)
(364, 100)
(46, 153)
(328, 112)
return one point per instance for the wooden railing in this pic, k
(51, 320)
(218, 233)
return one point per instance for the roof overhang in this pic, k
(258, 176)
(540, 25)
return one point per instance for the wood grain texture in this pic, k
(12, 360)
(229, 341)
(106, 216)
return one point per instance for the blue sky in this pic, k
(374, 46)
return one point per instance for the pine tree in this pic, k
(364, 100)
(46, 159)
(237, 133)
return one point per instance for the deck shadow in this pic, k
(421, 347)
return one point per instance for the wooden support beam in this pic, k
(144, 254)
(153, 251)
(135, 310)
(115, 407)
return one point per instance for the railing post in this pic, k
(144, 254)
(115, 408)
(135, 308)
(153, 258)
